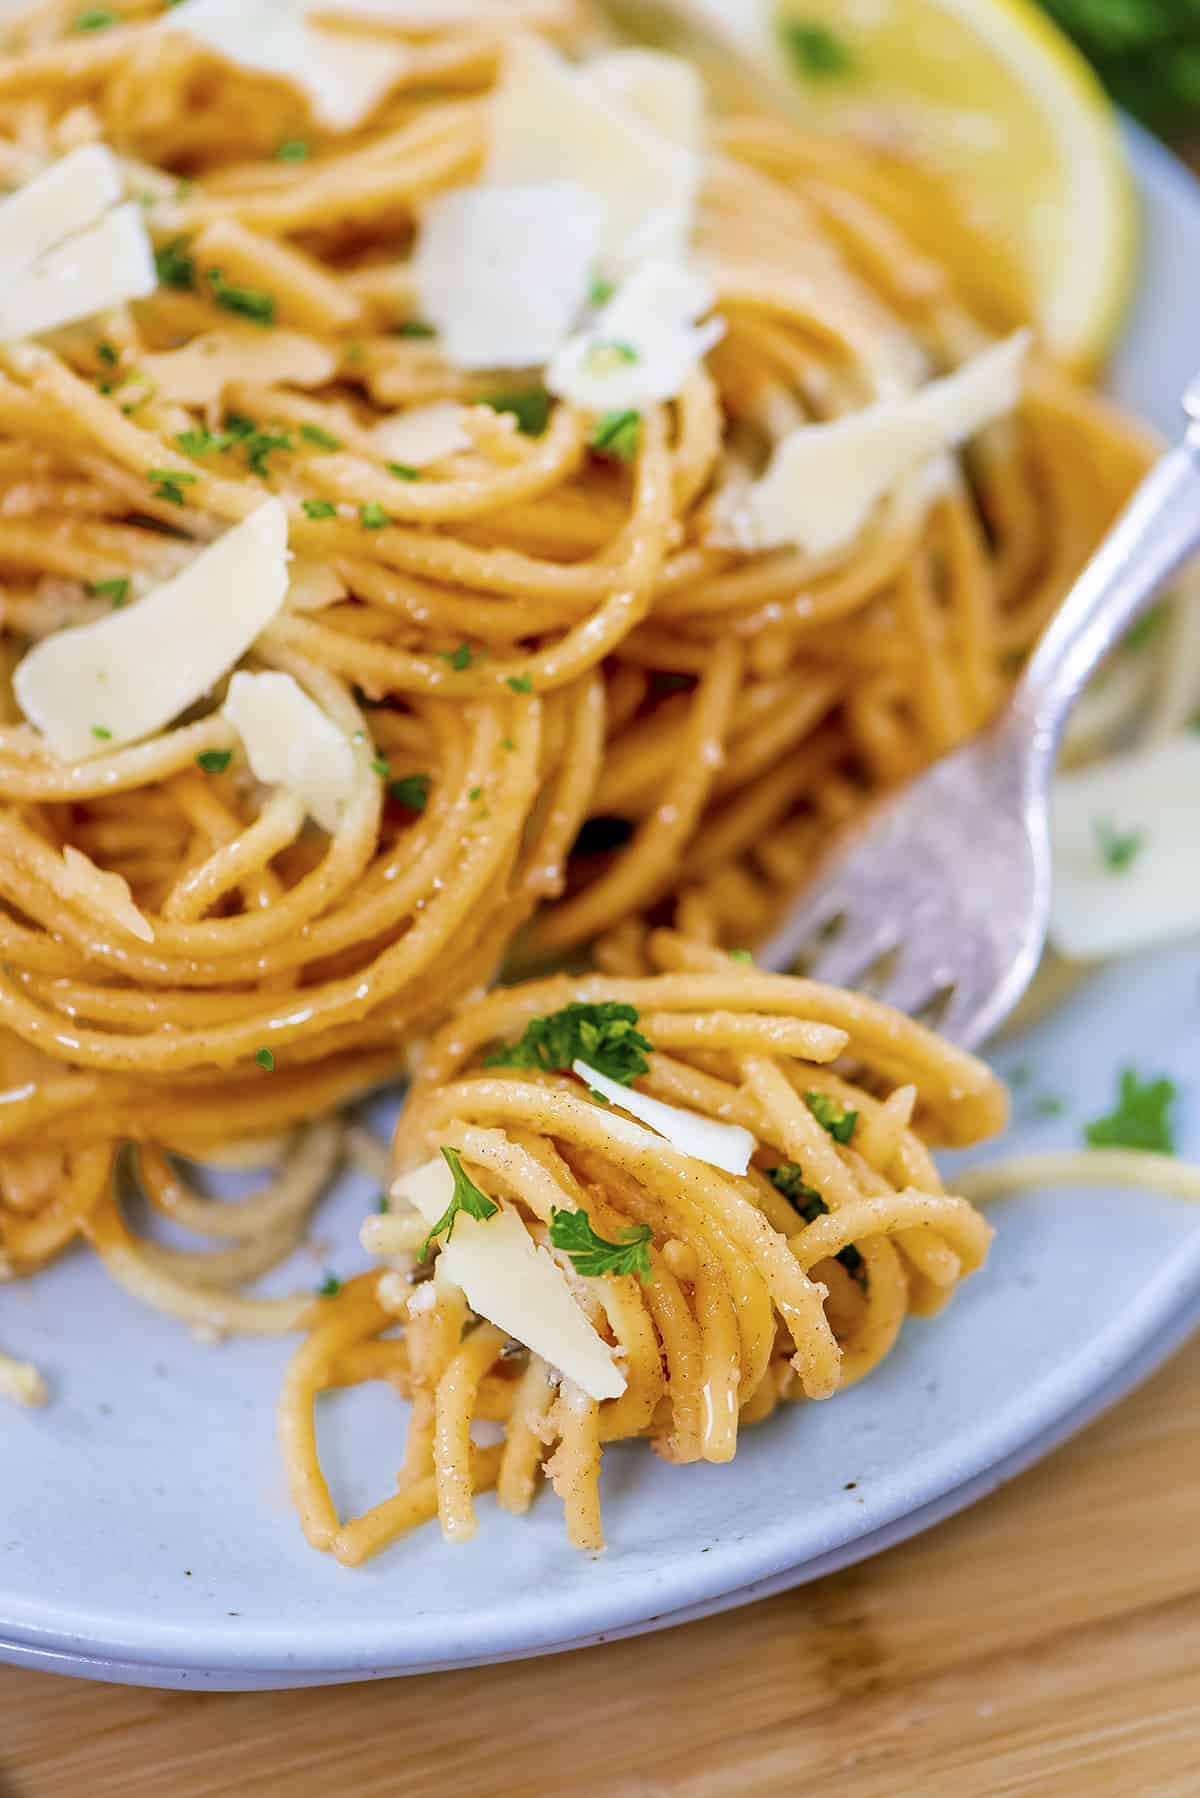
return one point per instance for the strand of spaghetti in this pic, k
(356, 1541)
(1080, 1167)
(524, 1444)
(453, 1407)
(574, 1467)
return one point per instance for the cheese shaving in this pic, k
(104, 892)
(725, 1146)
(199, 373)
(643, 345)
(292, 743)
(664, 91)
(424, 435)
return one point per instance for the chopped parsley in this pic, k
(815, 51)
(618, 434)
(474, 794)
(743, 955)
(169, 483)
(459, 658)
(174, 265)
(414, 327)
(318, 508)
(593, 1255)
(294, 150)
(116, 589)
(319, 437)
(520, 683)
(102, 731)
(1141, 1118)
(465, 1197)
(1118, 849)
(258, 445)
(530, 408)
(382, 1205)
(412, 790)
(107, 354)
(97, 18)
(600, 291)
(265, 1059)
(214, 761)
(603, 1034)
(372, 516)
(380, 766)
(200, 441)
(831, 1116)
(330, 1286)
(246, 302)
(603, 358)
(404, 471)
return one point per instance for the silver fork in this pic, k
(948, 882)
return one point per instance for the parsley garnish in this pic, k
(743, 955)
(294, 150)
(380, 766)
(1117, 848)
(412, 790)
(322, 439)
(372, 516)
(214, 761)
(200, 441)
(246, 302)
(814, 50)
(116, 589)
(98, 18)
(521, 683)
(531, 409)
(1141, 1119)
(169, 483)
(474, 794)
(259, 445)
(602, 358)
(102, 731)
(788, 1178)
(265, 1059)
(459, 658)
(404, 471)
(602, 1034)
(831, 1116)
(330, 1286)
(617, 434)
(107, 354)
(174, 265)
(594, 1255)
(318, 508)
(414, 327)
(600, 291)
(465, 1197)
(381, 1204)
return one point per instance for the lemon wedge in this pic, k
(990, 94)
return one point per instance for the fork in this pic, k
(947, 883)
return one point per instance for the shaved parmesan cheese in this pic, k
(67, 197)
(516, 1284)
(312, 585)
(1151, 800)
(642, 347)
(107, 265)
(425, 435)
(664, 91)
(292, 743)
(131, 672)
(726, 1146)
(107, 893)
(550, 120)
(825, 479)
(199, 373)
(343, 77)
(503, 272)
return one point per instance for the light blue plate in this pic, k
(145, 1533)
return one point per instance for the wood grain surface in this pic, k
(1046, 1642)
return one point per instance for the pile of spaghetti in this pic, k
(589, 712)
(721, 1293)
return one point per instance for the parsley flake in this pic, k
(102, 731)
(742, 955)
(814, 50)
(382, 1206)
(214, 761)
(1118, 849)
(169, 484)
(403, 471)
(174, 265)
(107, 354)
(116, 589)
(294, 150)
(1141, 1118)
(593, 1255)
(318, 508)
(379, 766)
(465, 1197)
(617, 435)
(97, 18)
(320, 438)
(530, 408)
(603, 1034)
(604, 358)
(600, 291)
(258, 445)
(265, 1059)
(414, 327)
(520, 683)
(412, 790)
(459, 658)
(831, 1116)
(246, 302)
(788, 1178)
(372, 516)
(330, 1286)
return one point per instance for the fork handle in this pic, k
(1157, 532)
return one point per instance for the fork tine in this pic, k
(863, 940)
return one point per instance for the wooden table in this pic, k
(1046, 1642)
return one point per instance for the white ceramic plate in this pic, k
(145, 1534)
